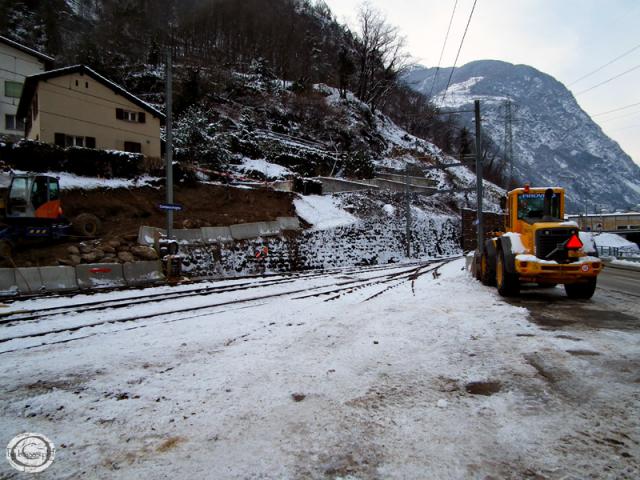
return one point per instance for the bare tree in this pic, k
(380, 55)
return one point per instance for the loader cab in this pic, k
(528, 206)
(34, 196)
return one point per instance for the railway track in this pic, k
(8, 317)
(347, 286)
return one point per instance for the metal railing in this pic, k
(619, 253)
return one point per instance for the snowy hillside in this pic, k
(555, 142)
(275, 133)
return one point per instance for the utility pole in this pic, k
(169, 145)
(479, 190)
(407, 210)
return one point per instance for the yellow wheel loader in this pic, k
(538, 246)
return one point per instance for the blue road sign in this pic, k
(170, 206)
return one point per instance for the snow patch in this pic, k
(516, 243)
(269, 170)
(612, 240)
(70, 181)
(323, 212)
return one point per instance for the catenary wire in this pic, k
(617, 109)
(444, 95)
(602, 67)
(609, 80)
(444, 45)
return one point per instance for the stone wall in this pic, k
(493, 222)
(363, 243)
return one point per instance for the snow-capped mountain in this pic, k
(554, 141)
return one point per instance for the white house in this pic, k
(16, 63)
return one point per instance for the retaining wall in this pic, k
(241, 231)
(364, 243)
(397, 186)
(418, 181)
(339, 185)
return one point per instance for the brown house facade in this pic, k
(75, 106)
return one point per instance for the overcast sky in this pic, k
(564, 38)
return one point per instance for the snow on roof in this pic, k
(27, 50)
(614, 241)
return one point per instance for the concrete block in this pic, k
(100, 275)
(283, 186)
(8, 283)
(192, 235)
(142, 273)
(270, 229)
(29, 280)
(245, 231)
(289, 223)
(339, 185)
(147, 235)
(58, 279)
(216, 234)
(468, 262)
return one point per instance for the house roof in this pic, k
(32, 81)
(29, 51)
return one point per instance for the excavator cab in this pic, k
(34, 196)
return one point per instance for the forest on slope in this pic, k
(296, 42)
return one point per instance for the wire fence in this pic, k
(620, 253)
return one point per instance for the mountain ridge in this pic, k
(554, 140)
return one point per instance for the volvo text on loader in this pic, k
(538, 246)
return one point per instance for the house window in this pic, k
(12, 89)
(63, 140)
(13, 123)
(86, 84)
(129, 116)
(133, 147)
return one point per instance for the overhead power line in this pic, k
(609, 80)
(444, 95)
(637, 125)
(444, 45)
(616, 109)
(626, 115)
(605, 65)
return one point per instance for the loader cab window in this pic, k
(531, 206)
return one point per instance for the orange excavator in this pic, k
(32, 212)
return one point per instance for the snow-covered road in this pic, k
(432, 378)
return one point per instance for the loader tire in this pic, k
(6, 250)
(508, 283)
(86, 225)
(487, 275)
(581, 291)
